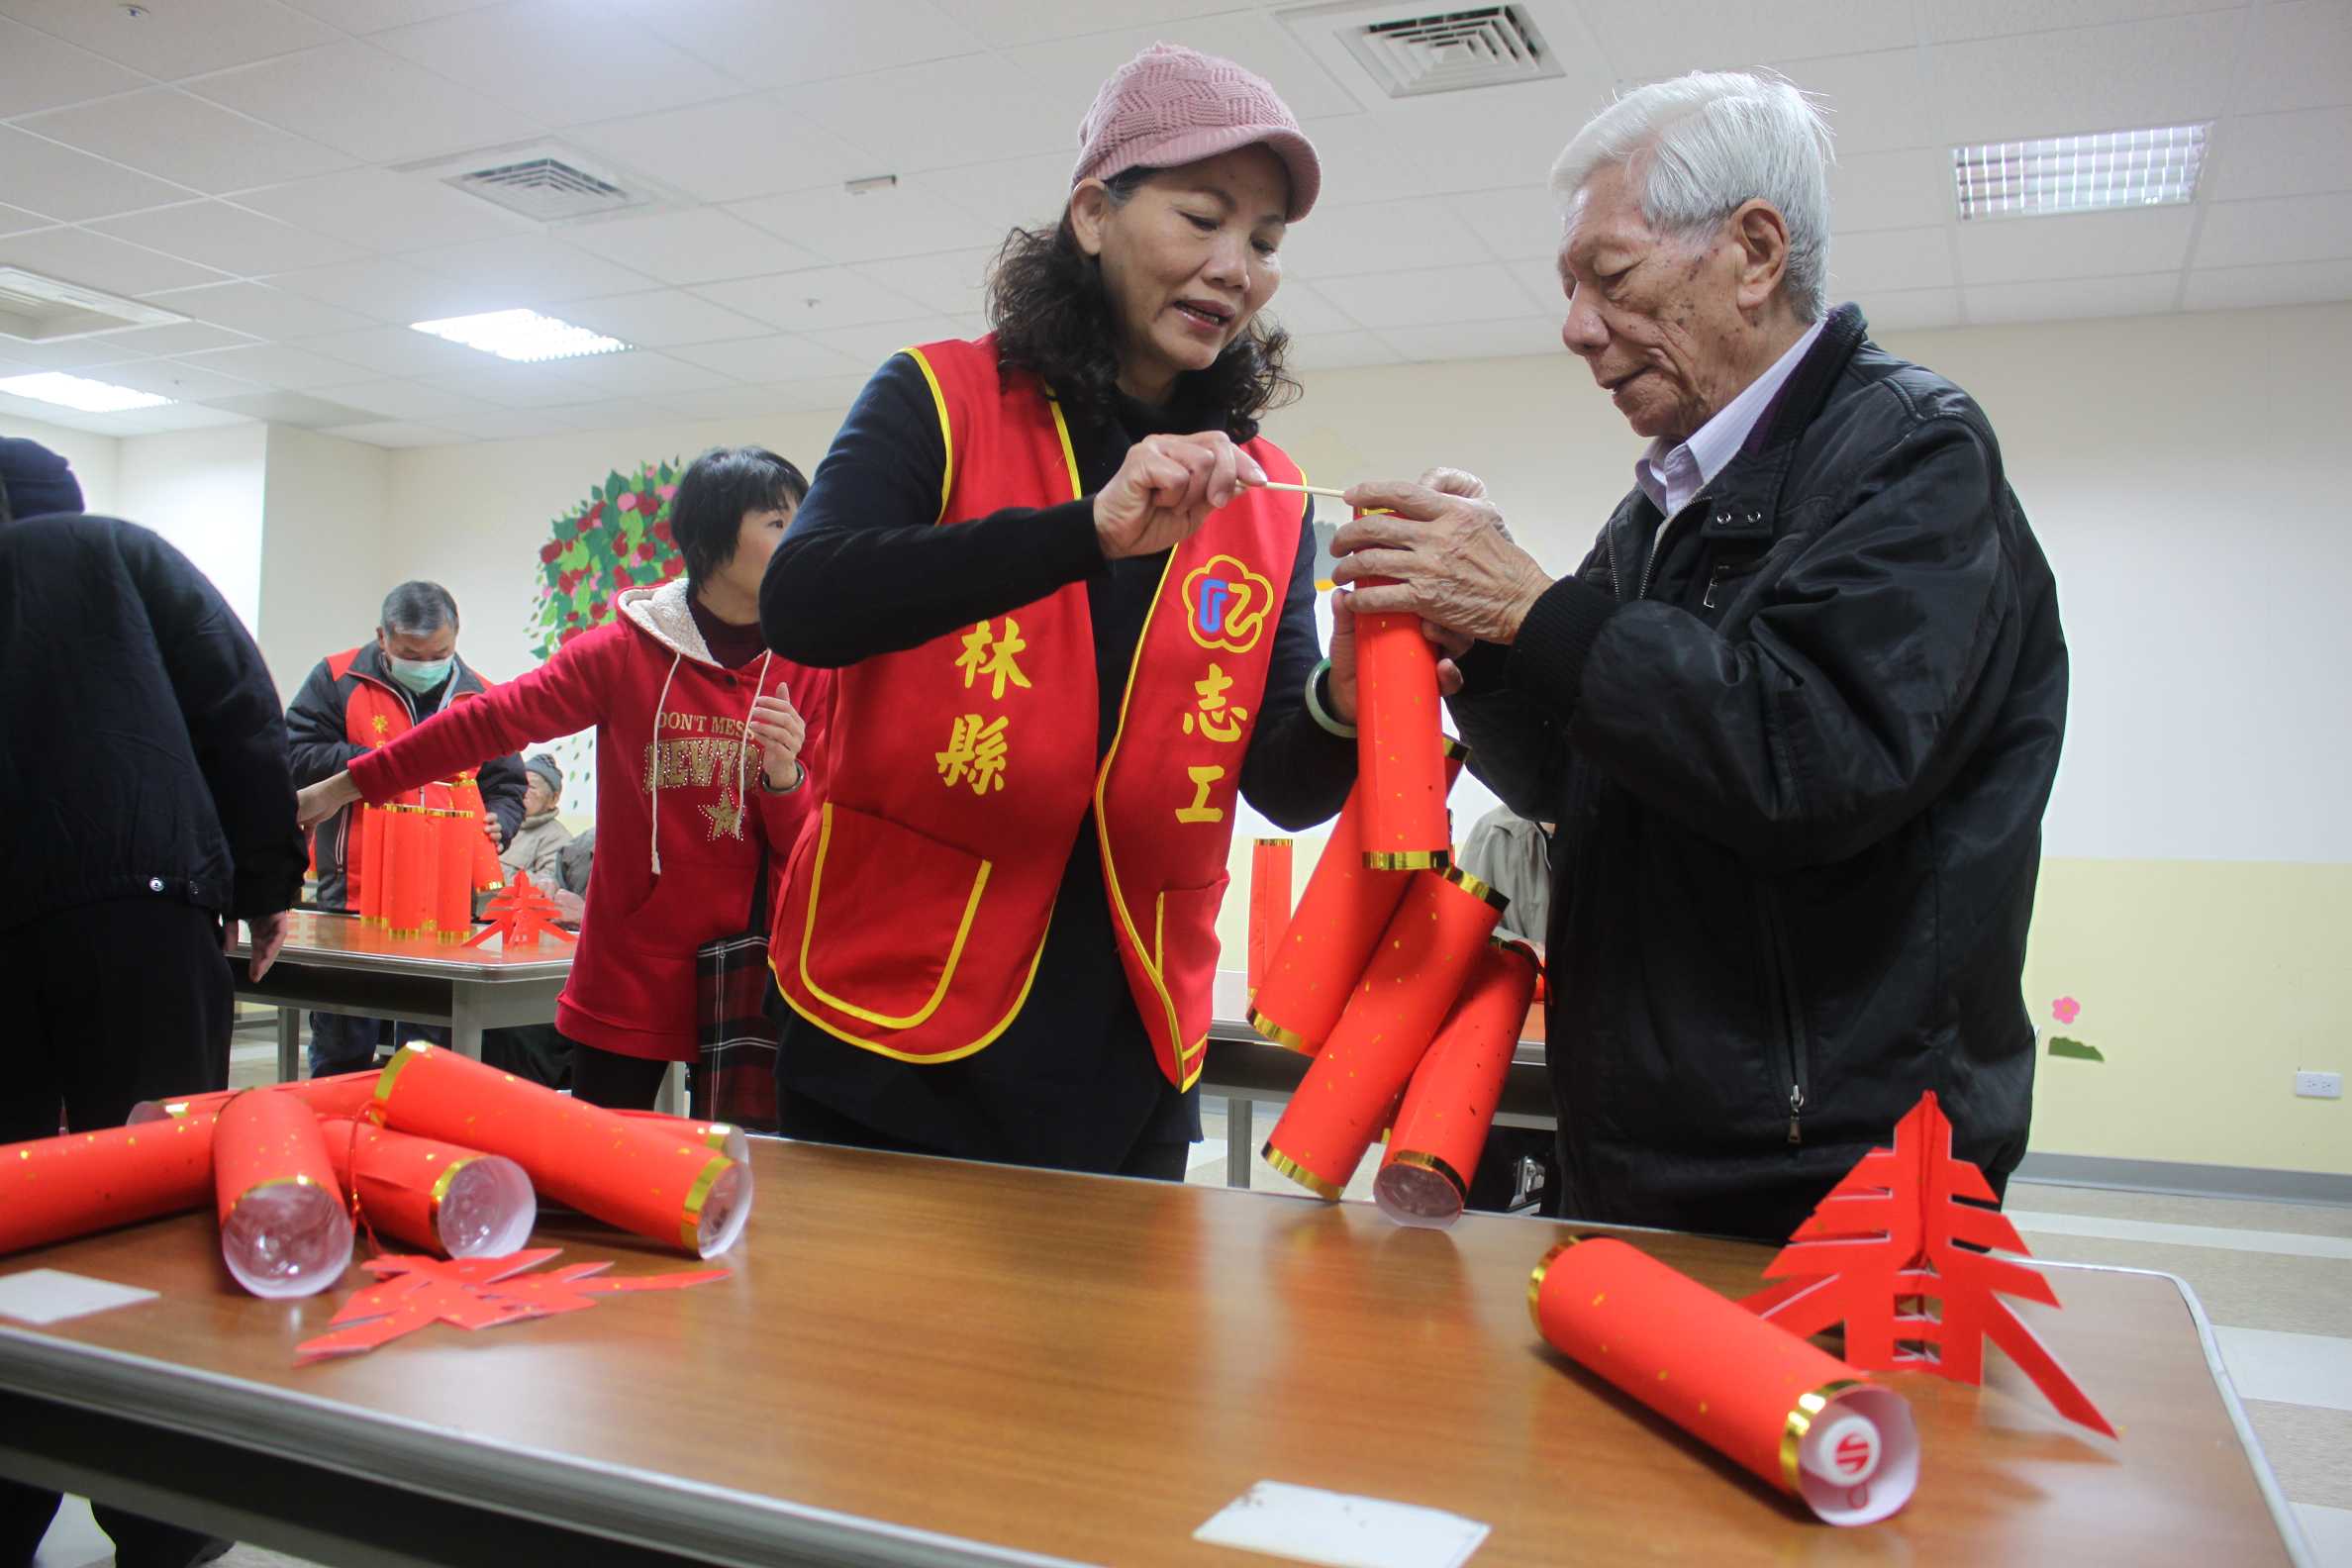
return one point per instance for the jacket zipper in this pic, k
(1783, 1008)
(1715, 580)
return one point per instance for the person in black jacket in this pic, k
(145, 801)
(1797, 715)
(354, 700)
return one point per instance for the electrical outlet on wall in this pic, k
(2318, 1086)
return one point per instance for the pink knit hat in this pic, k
(1171, 105)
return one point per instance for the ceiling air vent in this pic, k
(41, 309)
(545, 189)
(1407, 54)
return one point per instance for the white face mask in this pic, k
(420, 675)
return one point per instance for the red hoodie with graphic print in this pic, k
(684, 829)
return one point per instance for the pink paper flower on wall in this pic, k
(2066, 1009)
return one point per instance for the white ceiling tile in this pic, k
(384, 211)
(227, 237)
(2071, 299)
(548, 269)
(517, 424)
(739, 402)
(810, 301)
(1891, 259)
(2076, 245)
(2297, 57)
(513, 386)
(398, 351)
(70, 353)
(661, 319)
(276, 366)
(1027, 191)
(1005, 22)
(177, 380)
(389, 290)
(374, 16)
(1953, 21)
(1070, 71)
(1305, 313)
(2295, 283)
(1429, 298)
(50, 413)
(15, 220)
(1665, 38)
(1906, 189)
(871, 346)
(639, 373)
(1911, 310)
(48, 177)
(620, 413)
(359, 100)
(2263, 233)
(826, 394)
(1495, 340)
(1874, 100)
(1340, 351)
(728, 151)
(94, 260)
(179, 338)
(37, 71)
(1518, 224)
(784, 356)
(953, 281)
(758, 41)
(1541, 280)
(395, 433)
(916, 217)
(2303, 152)
(1495, 138)
(999, 114)
(699, 245)
(1377, 236)
(169, 41)
(281, 407)
(558, 62)
(2102, 79)
(169, 134)
(260, 310)
(172, 417)
(405, 400)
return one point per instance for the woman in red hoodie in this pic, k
(705, 749)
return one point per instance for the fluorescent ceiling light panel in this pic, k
(520, 334)
(79, 392)
(2098, 172)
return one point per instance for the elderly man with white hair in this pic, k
(1797, 715)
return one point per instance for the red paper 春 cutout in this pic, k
(521, 913)
(472, 1293)
(1902, 1229)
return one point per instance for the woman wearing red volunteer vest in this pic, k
(704, 762)
(1070, 630)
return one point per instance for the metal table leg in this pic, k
(289, 1066)
(1241, 1139)
(465, 1020)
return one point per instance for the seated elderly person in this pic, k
(1795, 716)
(537, 845)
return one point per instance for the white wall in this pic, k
(202, 490)
(95, 458)
(324, 516)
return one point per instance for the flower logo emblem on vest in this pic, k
(1225, 605)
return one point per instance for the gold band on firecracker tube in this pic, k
(1806, 1411)
(1409, 860)
(441, 1189)
(690, 1217)
(1298, 1173)
(1430, 1163)
(175, 1108)
(714, 1133)
(1274, 1031)
(384, 1080)
(1270, 842)
(1453, 748)
(1536, 1281)
(1476, 889)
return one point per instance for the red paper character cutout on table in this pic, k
(522, 914)
(472, 1293)
(1902, 1229)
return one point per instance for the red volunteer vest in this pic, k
(916, 903)
(374, 716)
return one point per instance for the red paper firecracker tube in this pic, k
(1399, 744)
(371, 863)
(1420, 965)
(412, 880)
(341, 1095)
(648, 1179)
(284, 1230)
(55, 1189)
(1311, 971)
(1269, 903)
(725, 1136)
(454, 837)
(1450, 1104)
(1798, 1417)
(430, 1194)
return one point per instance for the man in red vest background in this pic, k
(355, 701)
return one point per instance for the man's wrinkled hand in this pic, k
(1446, 556)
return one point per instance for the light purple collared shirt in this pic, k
(1670, 475)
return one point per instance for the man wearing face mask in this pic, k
(355, 701)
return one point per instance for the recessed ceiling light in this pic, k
(2098, 172)
(520, 334)
(79, 392)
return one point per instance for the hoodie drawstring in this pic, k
(660, 706)
(744, 751)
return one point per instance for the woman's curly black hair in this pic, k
(1052, 316)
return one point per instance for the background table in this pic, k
(332, 963)
(932, 1362)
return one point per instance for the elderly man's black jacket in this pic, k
(1799, 762)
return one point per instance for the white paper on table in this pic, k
(1337, 1530)
(47, 1296)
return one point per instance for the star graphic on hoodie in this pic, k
(727, 817)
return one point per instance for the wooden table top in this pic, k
(317, 937)
(1088, 1368)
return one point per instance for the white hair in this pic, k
(1702, 144)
